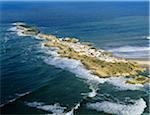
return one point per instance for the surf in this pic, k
(76, 67)
(55, 109)
(19, 95)
(129, 49)
(119, 109)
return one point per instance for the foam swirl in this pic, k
(120, 109)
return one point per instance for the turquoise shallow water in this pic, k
(32, 76)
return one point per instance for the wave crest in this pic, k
(129, 49)
(120, 109)
(76, 67)
(55, 109)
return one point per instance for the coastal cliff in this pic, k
(98, 61)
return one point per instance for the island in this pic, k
(100, 62)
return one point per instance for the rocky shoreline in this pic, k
(98, 61)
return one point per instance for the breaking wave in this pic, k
(19, 32)
(72, 110)
(22, 94)
(36, 37)
(129, 49)
(148, 37)
(76, 67)
(93, 93)
(14, 99)
(16, 23)
(55, 109)
(93, 86)
(120, 83)
(120, 109)
(13, 29)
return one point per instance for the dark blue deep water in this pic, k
(32, 83)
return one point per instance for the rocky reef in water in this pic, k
(98, 61)
(26, 29)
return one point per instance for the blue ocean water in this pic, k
(32, 82)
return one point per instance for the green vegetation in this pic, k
(100, 68)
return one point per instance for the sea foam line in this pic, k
(12, 100)
(129, 49)
(55, 109)
(18, 31)
(76, 67)
(148, 37)
(119, 109)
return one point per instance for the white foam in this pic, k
(18, 31)
(120, 83)
(148, 37)
(6, 39)
(72, 110)
(72, 65)
(120, 109)
(92, 94)
(129, 49)
(76, 67)
(22, 94)
(93, 87)
(55, 109)
(18, 23)
(39, 38)
(13, 29)
(18, 96)
(51, 51)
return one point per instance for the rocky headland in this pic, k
(98, 61)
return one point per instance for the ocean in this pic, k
(34, 80)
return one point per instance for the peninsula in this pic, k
(98, 61)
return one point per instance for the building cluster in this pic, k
(92, 52)
(81, 48)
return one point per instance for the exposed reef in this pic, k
(26, 29)
(98, 61)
